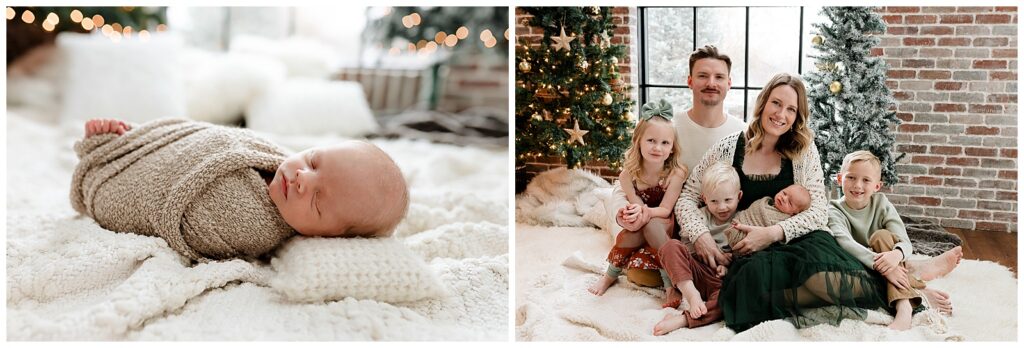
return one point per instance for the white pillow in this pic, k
(313, 107)
(301, 56)
(131, 80)
(312, 269)
(219, 86)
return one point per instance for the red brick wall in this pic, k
(953, 72)
(476, 80)
(625, 18)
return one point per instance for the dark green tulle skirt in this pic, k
(811, 280)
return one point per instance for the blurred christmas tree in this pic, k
(851, 107)
(414, 28)
(570, 100)
(28, 27)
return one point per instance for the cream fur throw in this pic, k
(194, 184)
(559, 197)
(326, 269)
(760, 213)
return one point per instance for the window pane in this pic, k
(723, 27)
(679, 98)
(751, 103)
(669, 44)
(734, 103)
(812, 14)
(774, 43)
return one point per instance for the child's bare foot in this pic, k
(692, 296)
(99, 126)
(670, 323)
(938, 300)
(672, 298)
(937, 266)
(601, 285)
(902, 320)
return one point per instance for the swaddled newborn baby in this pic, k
(215, 192)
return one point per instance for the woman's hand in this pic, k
(757, 239)
(708, 251)
(99, 126)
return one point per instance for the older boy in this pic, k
(868, 226)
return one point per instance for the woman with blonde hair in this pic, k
(780, 270)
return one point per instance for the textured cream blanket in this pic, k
(70, 279)
(194, 184)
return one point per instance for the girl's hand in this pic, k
(99, 126)
(886, 261)
(757, 239)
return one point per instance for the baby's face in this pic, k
(326, 191)
(793, 199)
(722, 202)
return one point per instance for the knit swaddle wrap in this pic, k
(760, 213)
(196, 185)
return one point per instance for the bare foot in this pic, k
(692, 296)
(902, 320)
(938, 300)
(937, 266)
(601, 285)
(672, 298)
(670, 323)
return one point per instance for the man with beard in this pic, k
(698, 128)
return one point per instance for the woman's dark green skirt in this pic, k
(788, 280)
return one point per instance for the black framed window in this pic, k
(761, 41)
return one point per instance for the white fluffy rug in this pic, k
(69, 279)
(555, 265)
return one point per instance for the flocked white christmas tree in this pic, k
(851, 107)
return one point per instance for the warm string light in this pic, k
(28, 17)
(11, 13)
(76, 16)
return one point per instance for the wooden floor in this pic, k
(999, 247)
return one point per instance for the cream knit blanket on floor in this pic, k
(194, 184)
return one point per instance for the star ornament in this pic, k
(562, 41)
(576, 134)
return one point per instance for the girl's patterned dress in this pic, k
(642, 257)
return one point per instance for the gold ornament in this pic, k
(536, 116)
(524, 66)
(606, 39)
(817, 40)
(562, 41)
(835, 87)
(614, 61)
(584, 65)
(607, 100)
(629, 116)
(576, 134)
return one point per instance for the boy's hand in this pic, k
(898, 277)
(888, 260)
(99, 126)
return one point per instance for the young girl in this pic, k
(652, 180)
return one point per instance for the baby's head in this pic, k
(720, 190)
(351, 189)
(793, 199)
(860, 176)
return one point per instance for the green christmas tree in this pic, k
(851, 107)
(570, 99)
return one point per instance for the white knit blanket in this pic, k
(69, 279)
(555, 265)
